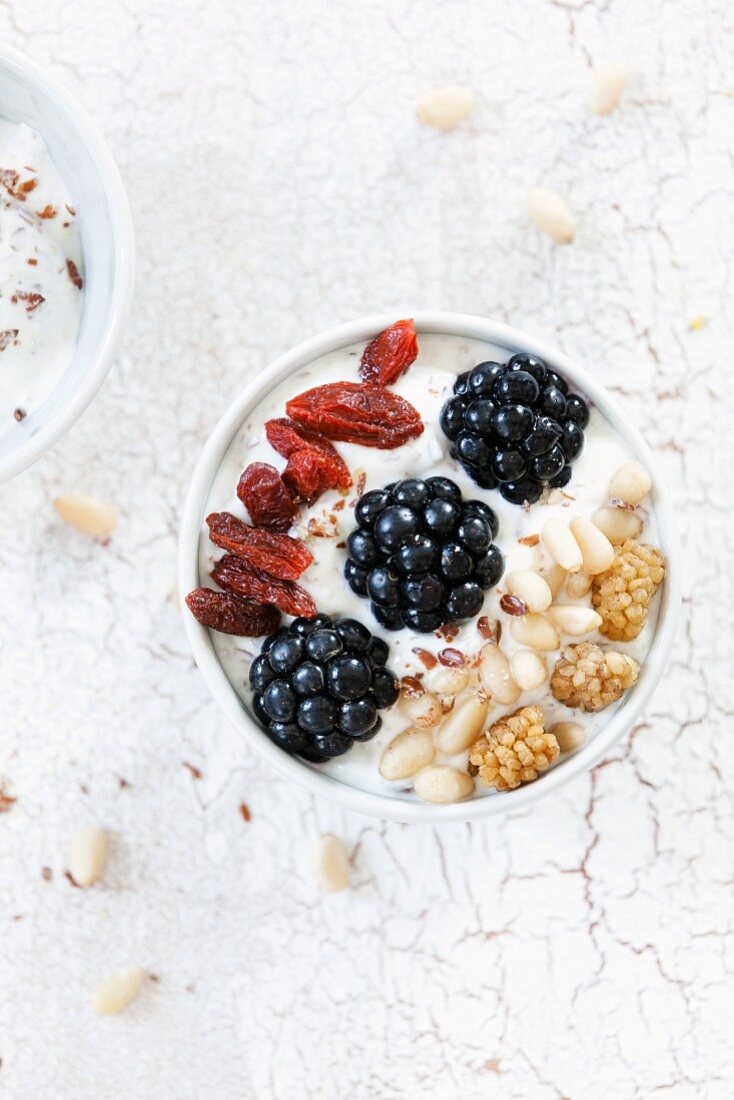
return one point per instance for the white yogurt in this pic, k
(40, 303)
(427, 385)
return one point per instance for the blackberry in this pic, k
(514, 427)
(319, 684)
(435, 550)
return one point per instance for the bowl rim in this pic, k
(120, 302)
(366, 802)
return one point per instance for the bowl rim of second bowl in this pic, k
(385, 806)
(120, 303)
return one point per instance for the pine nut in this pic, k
(617, 524)
(90, 516)
(531, 588)
(445, 108)
(494, 673)
(529, 670)
(87, 855)
(406, 754)
(330, 863)
(535, 631)
(578, 584)
(449, 681)
(561, 545)
(597, 550)
(569, 735)
(117, 990)
(440, 783)
(607, 84)
(464, 724)
(631, 483)
(551, 213)
(421, 710)
(574, 620)
(554, 578)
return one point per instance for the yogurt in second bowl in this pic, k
(490, 703)
(41, 274)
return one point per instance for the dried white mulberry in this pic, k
(623, 594)
(514, 750)
(589, 677)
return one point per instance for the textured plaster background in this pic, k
(280, 183)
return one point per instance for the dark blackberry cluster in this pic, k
(318, 685)
(515, 426)
(422, 554)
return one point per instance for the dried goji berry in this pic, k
(303, 475)
(284, 436)
(390, 354)
(263, 493)
(357, 412)
(288, 438)
(229, 614)
(235, 575)
(279, 555)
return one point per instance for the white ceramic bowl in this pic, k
(395, 808)
(86, 166)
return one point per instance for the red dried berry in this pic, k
(303, 475)
(279, 555)
(263, 493)
(390, 354)
(288, 438)
(357, 412)
(235, 575)
(229, 614)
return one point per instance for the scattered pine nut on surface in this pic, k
(330, 863)
(117, 990)
(551, 213)
(445, 108)
(87, 514)
(630, 483)
(608, 81)
(87, 855)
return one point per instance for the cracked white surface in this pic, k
(279, 183)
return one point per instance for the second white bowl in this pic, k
(85, 164)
